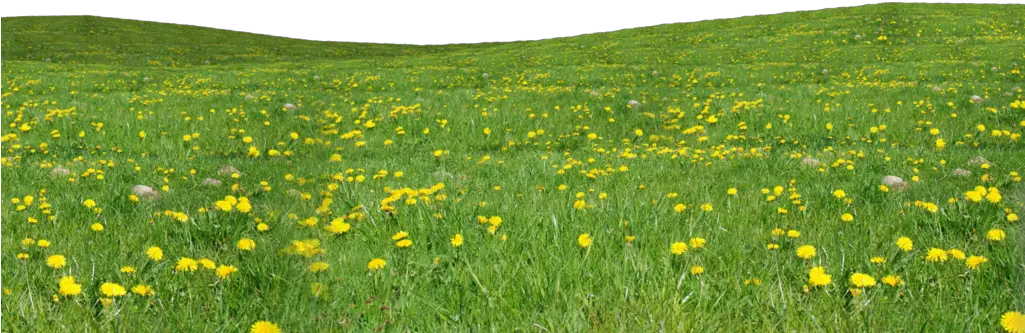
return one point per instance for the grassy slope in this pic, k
(134, 76)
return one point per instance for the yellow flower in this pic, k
(1013, 322)
(678, 248)
(772, 246)
(847, 217)
(697, 270)
(264, 326)
(806, 252)
(878, 260)
(996, 235)
(974, 262)
(404, 243)
(399, 235)
(207, 263)
(956, 254)
(584, 240)
(861, 280)
(319, 266)
(697, 242)
(905, 244)
(457, 240)
(155, 253)
(338, 226)
(731, 191)
(793, 234)
(112, 289)
(817, 277)
(224, 270)
(97, 227)
(243, 205)
(839, 194)
(68, 287)
(89, 203)
(56, 261)
(936, 255)
(246, 244)
(707, 207)
(186, 264)
(893, 280)
(143, 290)
(679, 208)
(376, 264)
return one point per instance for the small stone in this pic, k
(294, 193)
(316, 77)
(211, 182)
(289, 106)
(594, 93)
(654, 73)
(485, 75)
(227, 170)
(937, 88)
(892, 180)
(810, 161)
(633, 103)
(961, 173)
(250, 96)
(145, 192)
(976, 99)
(978, 161)
(59, 171)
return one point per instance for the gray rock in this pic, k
(145, 192)
(485, 75)
(633, 103)
(211, 182)
(289, 106)
(976, 99)
(59, 171)
(227, 170)
(978, 161)
(895, 183)
(810, 161)
(961, 173)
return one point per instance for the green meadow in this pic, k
(844, 170)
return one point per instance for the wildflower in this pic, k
(697, 270)
(707, 207)
(97, 227)
(186, 264)
(246, 244)
(817, 277)
(584, 240)
(679, 208)
(893, 280)
(43, 243)
(143, 290)
(1013, 322)
(264, 326)
(806, 252)
(399, 235)
(878, 260)
(905, 244)
(956, 254)
(697, 243)
(936, 255)
(772, 246)
(112, 289)
(128, 270)
(861, 280)
(847, 217)
(338, 226)
(793, 234)
(155, 253)
(974, 262)
(224, 270)
(839, 194)
(68, 287)
(319, 266)
(207, 263)
(376, 264)
(56, 261)
(404, 243)
(89, 203)
(731, 191)
(678, 248)
(457, 240)
(996, 235)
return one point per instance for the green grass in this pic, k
(558, 115)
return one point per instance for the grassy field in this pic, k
(722, 176)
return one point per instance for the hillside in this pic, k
(852, 169)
